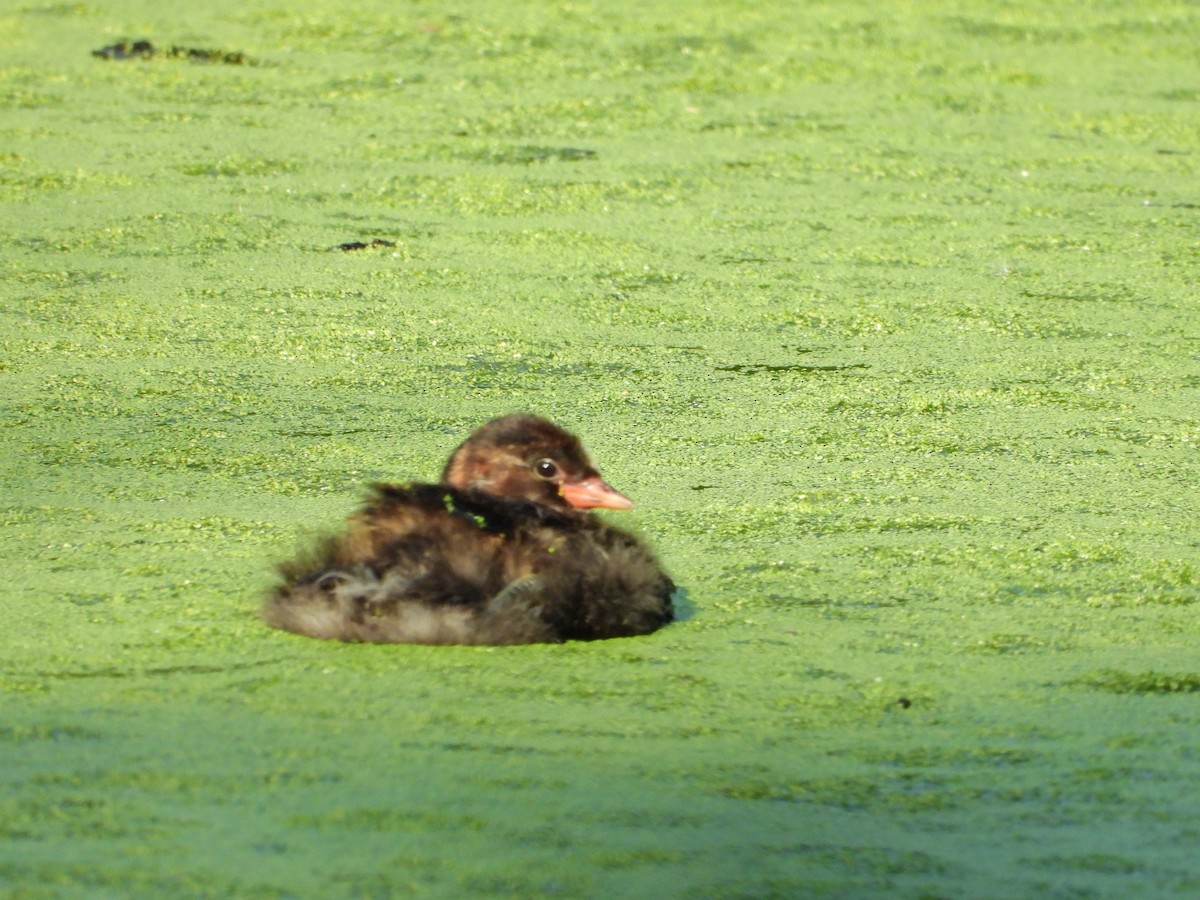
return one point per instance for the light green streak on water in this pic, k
(884, 313)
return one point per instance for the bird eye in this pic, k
(545, 468)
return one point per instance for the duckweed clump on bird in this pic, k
(883, 315)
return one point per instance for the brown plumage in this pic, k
(503, 551)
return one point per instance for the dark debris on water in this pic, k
(361, 245)
(147, 50)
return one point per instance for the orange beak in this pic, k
(593, 493)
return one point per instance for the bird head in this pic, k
(525, 457)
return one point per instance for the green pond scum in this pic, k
(885, 314)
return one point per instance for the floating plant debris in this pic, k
(529, 155)
(360, 245)
(147, 50)
(755, 369)
(1152, 682)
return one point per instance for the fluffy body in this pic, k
(446, 564)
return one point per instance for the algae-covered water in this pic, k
(884, 313)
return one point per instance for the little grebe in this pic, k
(503, 551)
